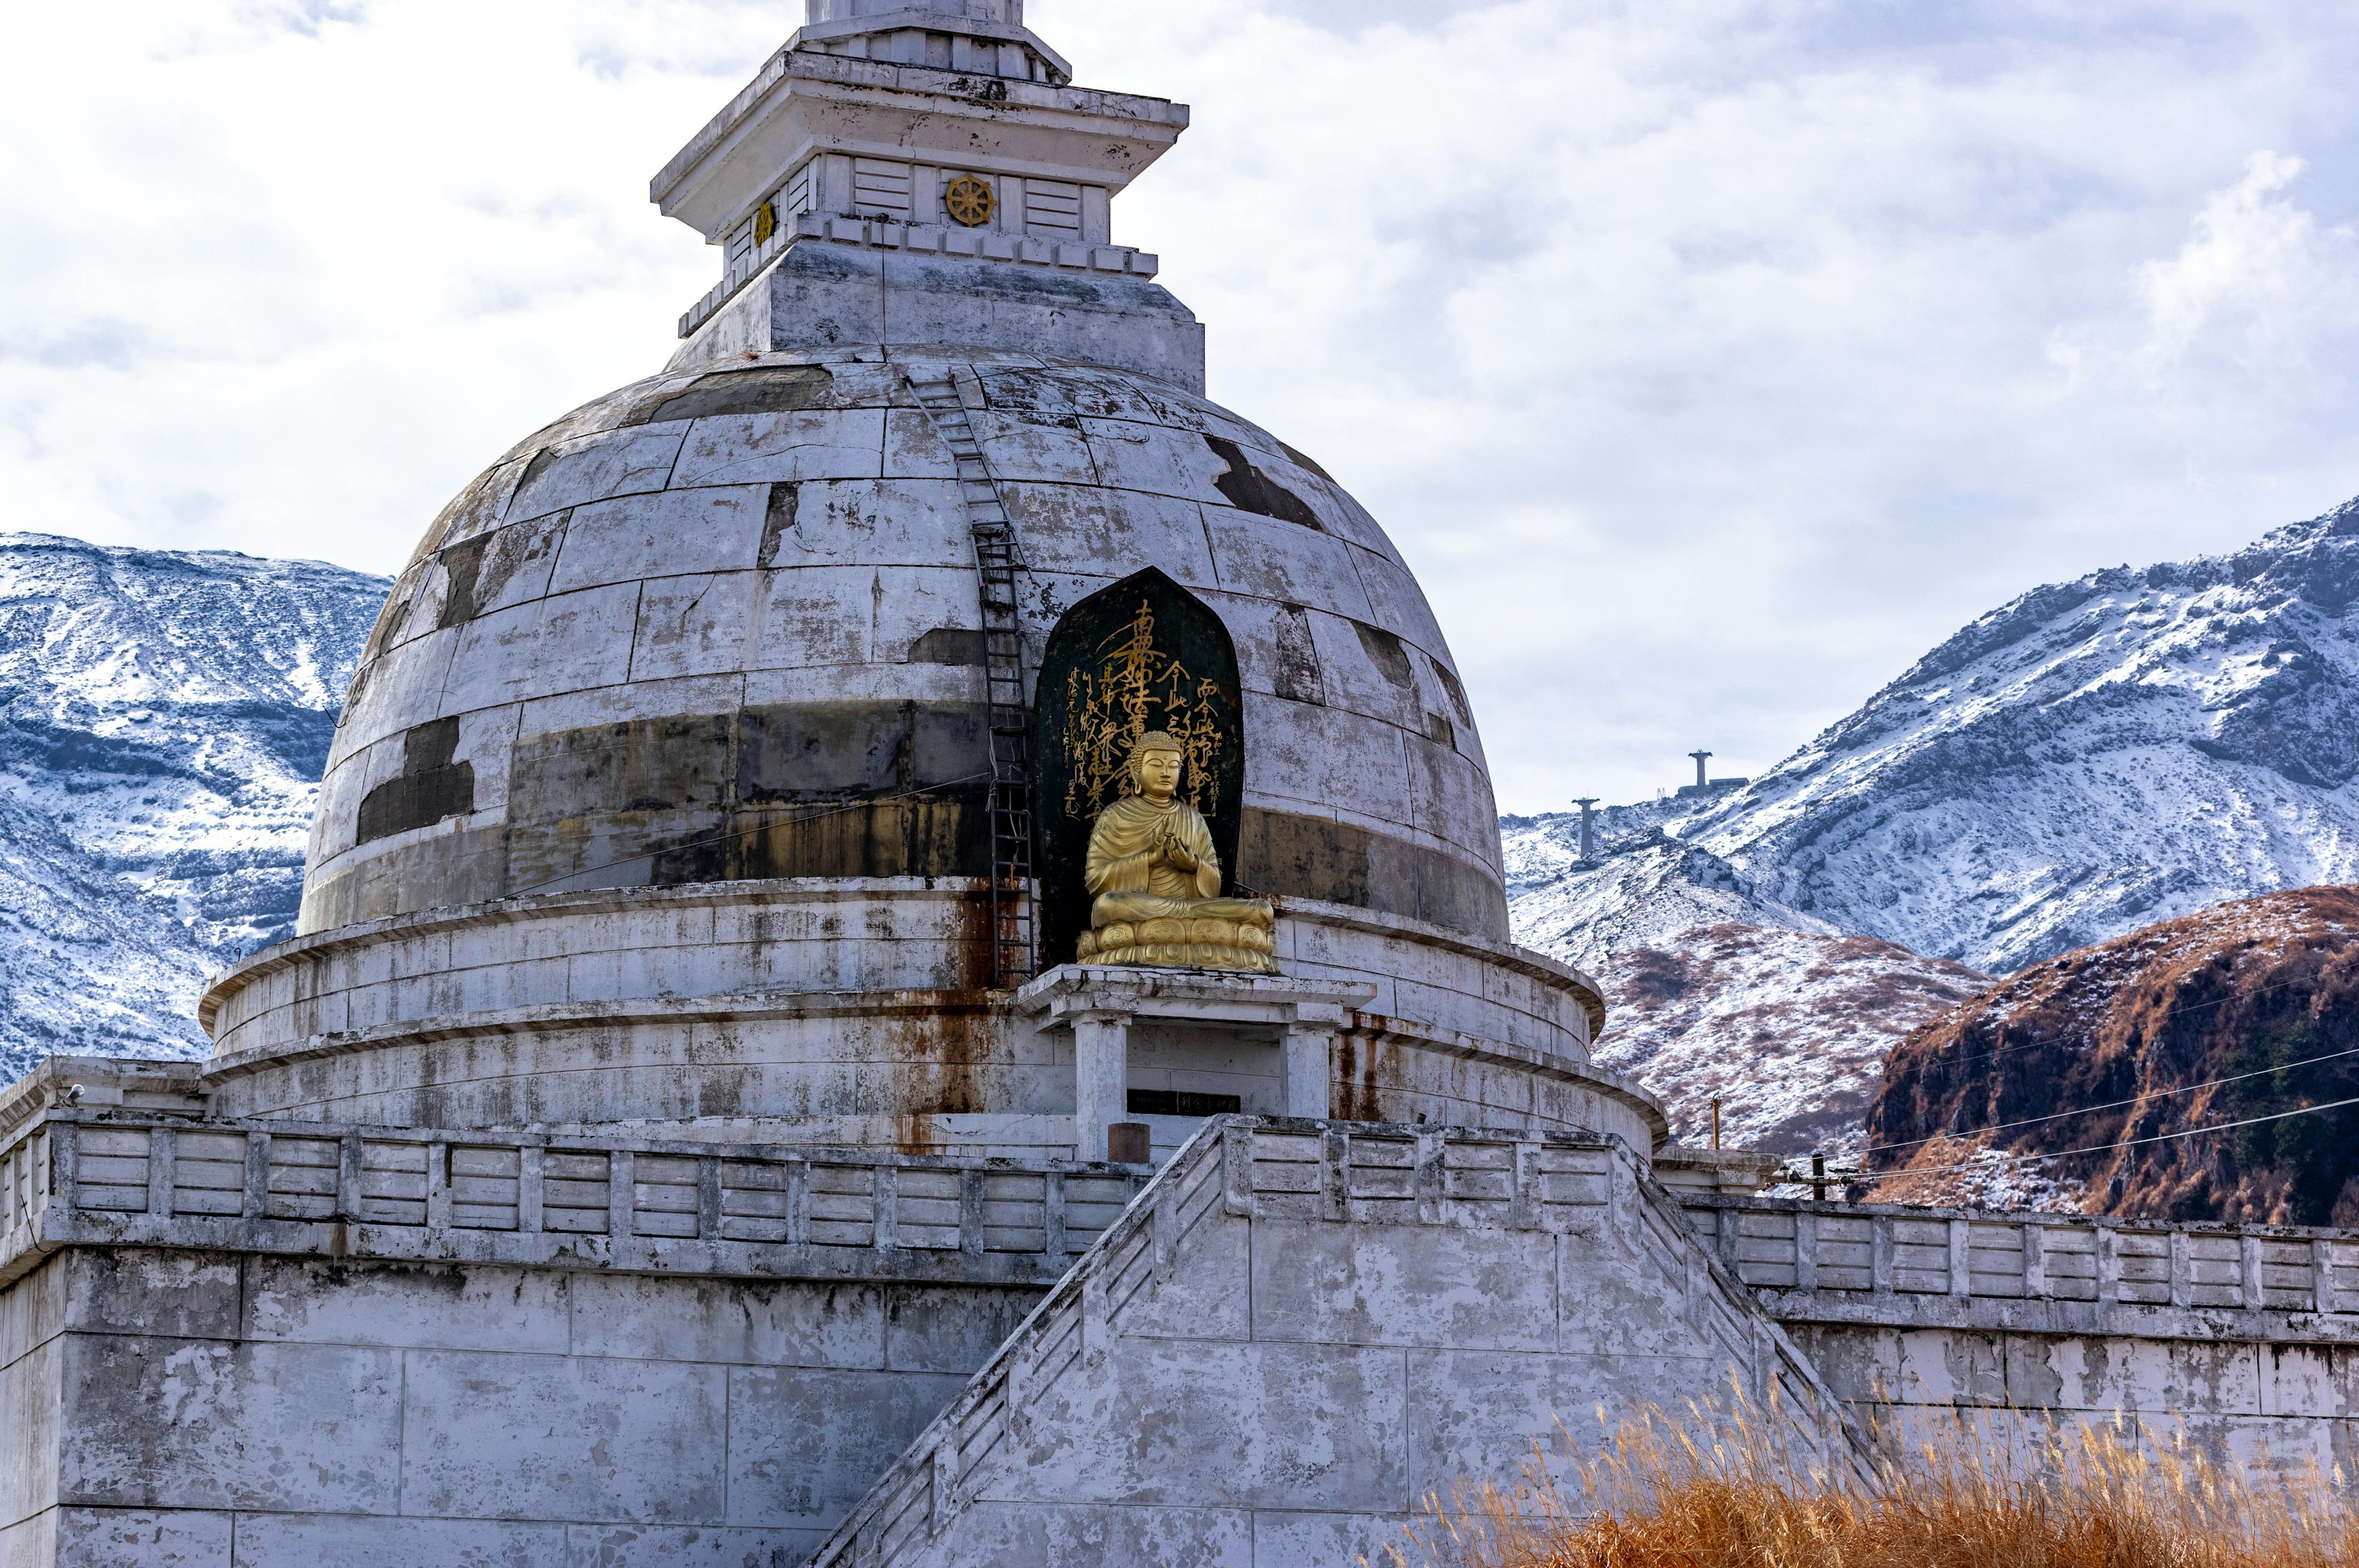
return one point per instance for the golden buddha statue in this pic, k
(1157, 881)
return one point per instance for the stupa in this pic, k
(903, 961)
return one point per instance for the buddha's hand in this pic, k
(1176, 853)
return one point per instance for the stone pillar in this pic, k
(1305, 1058)
(1101, 1079)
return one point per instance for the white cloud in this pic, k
(1710, 358)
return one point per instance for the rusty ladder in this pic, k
(998, 557)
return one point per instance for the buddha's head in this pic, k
(1156, 764)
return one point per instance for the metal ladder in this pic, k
(998, 557)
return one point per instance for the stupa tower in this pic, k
(903, 961)
(727, 758)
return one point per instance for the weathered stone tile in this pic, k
(805, 1444)
(870, 523)
(2310, 1380)
(492, 1436)
(1325, 763)
(770, 448)
(404, 687)
(1477, 1414)
(118, 1537)
(1367, 669)
(1023, 1535)
(1324, 1539)
(30, 1398)
(1092, 533)
(192, 1294)
(741, 1322)
(1408, 1284)
(1261, 1426)
(693, 626)
(33, 1310)
(568, 641)
(592, 467)
(929, 1330)
(648, 1546)
(838, 615)
(318, 1541)
(30, 1542)
(1023, 451)
(1265, 559)
(1394, 600)
(437, 1307)
(202, 1424)
(680, 533)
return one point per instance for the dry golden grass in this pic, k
(1720, 1490)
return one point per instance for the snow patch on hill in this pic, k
(164, 719)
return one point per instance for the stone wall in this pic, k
(359, 1414)
(1302, 1329)
(2014, 1326)
(839, 1012)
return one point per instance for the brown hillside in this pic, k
(2254, 986)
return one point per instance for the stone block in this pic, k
(1028, 450)
(570, 642)
(30, 1542)
(873, 523)
(1026, 1535)
(784, 447)
(736, 1322)
(821, 615)
(315, 1540)
(646, 1546)
(430, 1307)
(180, 1423)
(1408, 1284)
(1090, 533)
(628, 461)
(494, 1436)
(1260, 1426)
(1474, 1415)
(678, 533)
(1321, 761)
(33, 1310)
(140, 1538)
(805, 1443)
(1325, 1540)
(1130, 455)
(951, 1329)
(1284, 561)
(30, 1400)
(2309, 1380)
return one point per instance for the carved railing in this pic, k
(1927, 1267)
(119, 1179)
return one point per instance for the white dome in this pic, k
(723, 625)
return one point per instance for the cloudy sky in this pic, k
(1710, 360)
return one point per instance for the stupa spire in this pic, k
(925, 172)
(985, 36)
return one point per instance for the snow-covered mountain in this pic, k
(2094, 757)
(164, 718)
(2090, 759)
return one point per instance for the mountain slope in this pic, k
(2256, 991)
(2095, 756)
(164, 718)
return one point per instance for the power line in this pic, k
(2171, 1012)
(748, 832)
(2112, 1105)
(2105, 1148)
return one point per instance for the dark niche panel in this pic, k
(1143, 655)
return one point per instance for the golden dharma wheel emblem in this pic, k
(969, 201)
(766, 224)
